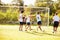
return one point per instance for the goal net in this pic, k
(27, 10)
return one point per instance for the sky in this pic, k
(6, 1)
(54, 0)
(26, 2)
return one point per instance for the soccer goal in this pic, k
(44, 12)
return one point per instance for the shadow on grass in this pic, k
(34, 33)
(43, 33)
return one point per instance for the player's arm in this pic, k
(41, 15)
(32, 16)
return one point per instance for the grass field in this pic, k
(11, 32)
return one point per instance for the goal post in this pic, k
(43, 10)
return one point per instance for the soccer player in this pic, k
(21, 21)
(38, 17)
(28, 22)
(24, 20)
(56, 22)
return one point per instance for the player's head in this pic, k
(56, 13)
(38, 13)
(22, 11)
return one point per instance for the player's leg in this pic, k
(57, 24)
(21, 26)
(40, 27)
(26, 27)
(37, 26)
(54, 28)
(20, 29)
(30, 27)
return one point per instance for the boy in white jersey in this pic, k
(28, 22)
(21, 21)
(24, 20)
(38, 17)
(56, 22)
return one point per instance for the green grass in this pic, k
(11, 32)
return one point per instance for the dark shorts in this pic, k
(28, 23)
(21, 23)
(56, 23)
(24, 23)
(39, 23)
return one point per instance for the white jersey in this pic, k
(38, 18)
(21, 17)
(56, 18)
(28, 19)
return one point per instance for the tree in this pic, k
(21, 3)
(0, 2)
